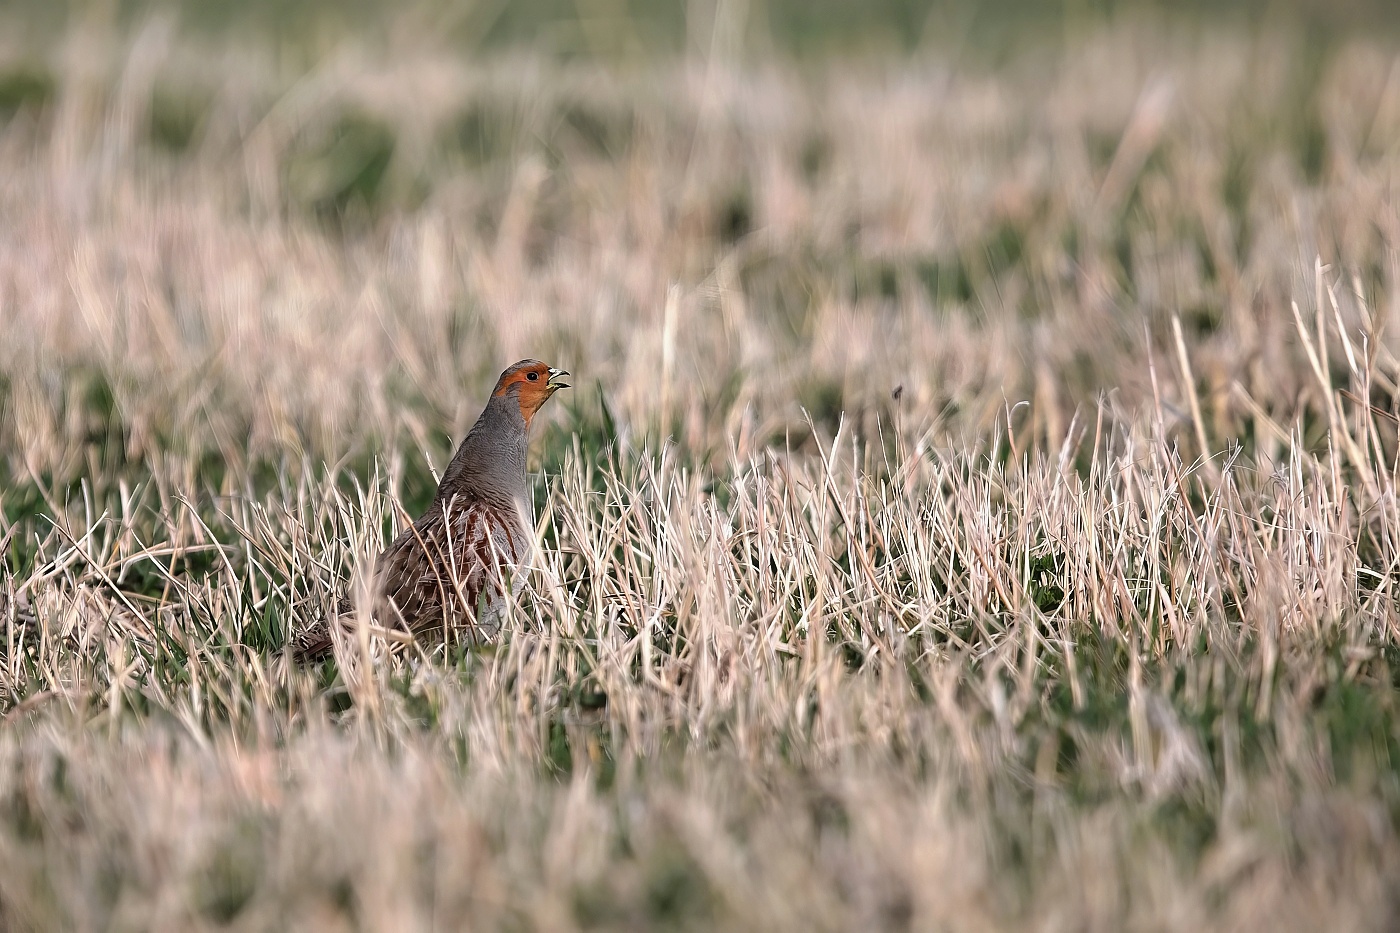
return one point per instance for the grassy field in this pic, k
(976, 510)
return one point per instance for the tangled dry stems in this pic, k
(980, 512)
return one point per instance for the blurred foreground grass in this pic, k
(977, 509)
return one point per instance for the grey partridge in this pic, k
(446, 572)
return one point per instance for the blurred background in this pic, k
(981, 159)
(625, 29)
(377, 203)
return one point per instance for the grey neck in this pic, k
(490, 464)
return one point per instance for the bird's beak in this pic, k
(554, 379)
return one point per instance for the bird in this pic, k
(446, 572)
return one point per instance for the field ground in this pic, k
(977, 508)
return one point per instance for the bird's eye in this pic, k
(533, 377)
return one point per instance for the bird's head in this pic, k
(530, 383)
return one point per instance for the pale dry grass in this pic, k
(995, 648)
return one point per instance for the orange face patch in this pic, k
(532, 382)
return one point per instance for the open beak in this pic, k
(555, 381)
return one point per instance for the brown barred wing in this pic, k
(445, 572)
(442, 574)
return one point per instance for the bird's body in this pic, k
(446, 573)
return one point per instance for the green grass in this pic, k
(900, 567)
